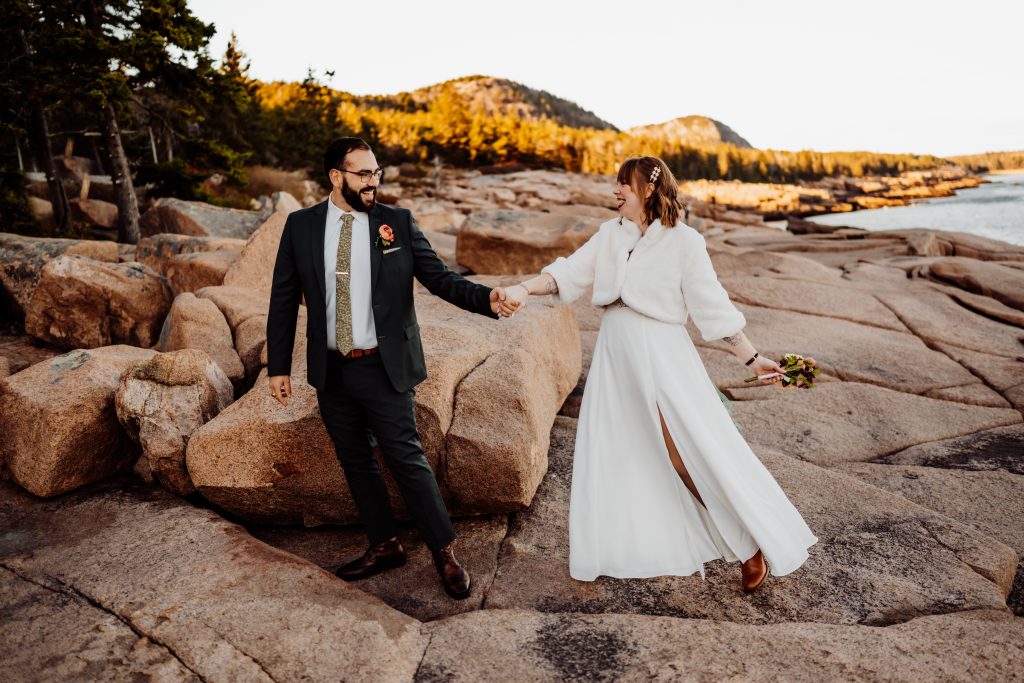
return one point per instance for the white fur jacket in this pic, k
(668, 277)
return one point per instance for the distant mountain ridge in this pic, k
(484, 121)
(693, 130)
(502, 96)
(495, 96)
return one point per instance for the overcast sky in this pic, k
(936, 77)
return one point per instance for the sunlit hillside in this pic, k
(481, 121)
(693, 130)
(991, 161)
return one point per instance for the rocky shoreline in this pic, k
(168, 520)
(831, 195)
(94, 208)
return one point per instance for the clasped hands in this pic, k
(505, 301)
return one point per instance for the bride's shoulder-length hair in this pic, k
(664, 203)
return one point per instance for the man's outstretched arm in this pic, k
(441, 281)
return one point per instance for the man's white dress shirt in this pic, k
(364, 332)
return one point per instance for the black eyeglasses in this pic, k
(365, 176)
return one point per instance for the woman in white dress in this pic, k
(662, 480)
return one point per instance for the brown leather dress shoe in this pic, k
(378, 558)
(754, 572)
(454, 576)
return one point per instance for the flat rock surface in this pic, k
(1004, 374)
(43, 624)
(953, 243)
(937, 318)
(880, 559)
(196, 596)
(851, 351)
(414, 589)
(831, 250)
(769, 263)
(984, 645)
(983, 305)
(975, 394)
(996, 449)
(850, 422)
(817, 298)
(990, 501)
(992, 279)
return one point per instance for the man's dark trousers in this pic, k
(358, 395)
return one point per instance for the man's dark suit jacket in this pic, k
(300, 270)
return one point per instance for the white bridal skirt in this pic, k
(630, 515)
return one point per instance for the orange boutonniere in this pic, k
(385, 236)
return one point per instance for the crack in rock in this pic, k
(980, 571)
(499, 551)
(421, 675)
(242, 652)
(443, 456)
(939, 350)
(748, 302)
(73, 592)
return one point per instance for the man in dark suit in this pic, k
(354, 260)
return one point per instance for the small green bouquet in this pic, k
(798, 372)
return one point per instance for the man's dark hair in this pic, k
(334, 156)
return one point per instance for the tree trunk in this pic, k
(120, 172)
(39, 134)
(42, 152)
(121, 175)
(169, 143)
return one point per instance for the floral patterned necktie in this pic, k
(342, 295)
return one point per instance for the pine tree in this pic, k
(126, 57)
(29, 88)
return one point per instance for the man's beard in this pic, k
(355, 200)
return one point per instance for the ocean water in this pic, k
(995, 209)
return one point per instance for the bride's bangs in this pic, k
(627, 172)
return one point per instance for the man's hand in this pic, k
(499, 306)
(281, 388)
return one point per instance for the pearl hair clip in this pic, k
(655, 172)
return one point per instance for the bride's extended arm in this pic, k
(714, 313)
(516, 295)
(741, 347)
(568, 277)
(542, 284)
